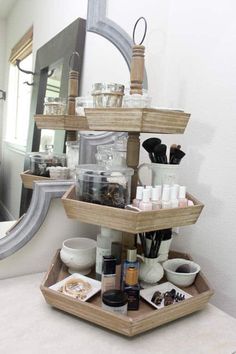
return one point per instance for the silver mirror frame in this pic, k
(44, 192)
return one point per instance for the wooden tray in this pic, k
(146, 120)
(63, 122)
(137, 321)
(130, 221)
(28, 179)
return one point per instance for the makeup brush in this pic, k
(173, 147)
(149, 145)
(160, 153)
(177, 157)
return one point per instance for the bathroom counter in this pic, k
(29, 325)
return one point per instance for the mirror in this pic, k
(52, 69)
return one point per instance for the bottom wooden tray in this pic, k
(137, 321)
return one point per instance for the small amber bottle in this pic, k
(132, 288)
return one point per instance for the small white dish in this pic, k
(147, 294)
(177, 278)
(86, 287)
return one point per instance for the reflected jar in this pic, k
(72, 153)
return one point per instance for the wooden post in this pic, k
(136, 85)
(72, 93)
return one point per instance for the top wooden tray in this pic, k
(146, 120)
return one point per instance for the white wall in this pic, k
(2, 65)
(191, 64)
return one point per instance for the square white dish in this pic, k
(93, 285)
(147, 294)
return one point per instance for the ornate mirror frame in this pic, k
(43, 192)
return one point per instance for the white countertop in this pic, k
(29, 325)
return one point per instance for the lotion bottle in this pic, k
(139, 196)
(146, 204)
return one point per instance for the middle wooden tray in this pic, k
(130, 221)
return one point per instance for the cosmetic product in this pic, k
(146, 204)
(132, 288)
(139, 196)
(149, 145)
(131, 261)
(183, 202)
(115, 301)
(104, 241)
(190, 202)
(156, 197)
(116, 251)
(160, 153)
(165, 200)
(173, 197)
(108, 273)
(176, 157)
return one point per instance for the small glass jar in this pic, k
(54, 106)
(107, 94)
(115, 301)
(82, 102)
(72, 154)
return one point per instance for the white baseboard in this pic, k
(4, 212)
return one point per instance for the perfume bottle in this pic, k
(131, 261)
(132, 288)
(108, 273)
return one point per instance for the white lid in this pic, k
(139, 192)
(146, 195)
(182, 192)
(156, 193)
(166, 193)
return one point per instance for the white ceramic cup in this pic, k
(161, 173)
(79, 254)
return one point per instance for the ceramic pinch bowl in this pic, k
(79, 254)
(180, 271)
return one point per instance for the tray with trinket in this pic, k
(136, 322)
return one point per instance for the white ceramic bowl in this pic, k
(79, 254)
(180, 279)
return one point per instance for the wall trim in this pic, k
(17, 148)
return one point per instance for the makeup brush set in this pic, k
(158, 152)
(151, 241)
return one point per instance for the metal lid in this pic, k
(132, 255)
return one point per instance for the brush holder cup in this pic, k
(96, 184)
(151, 271)
(160, 173)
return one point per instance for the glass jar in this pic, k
(54, 106)
(96, 184)
(40, 162)
(72, 154)
(81, 103)
(107, 94)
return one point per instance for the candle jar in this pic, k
(81, 103)
(54, 106)
(107, 94)
(40, 163)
